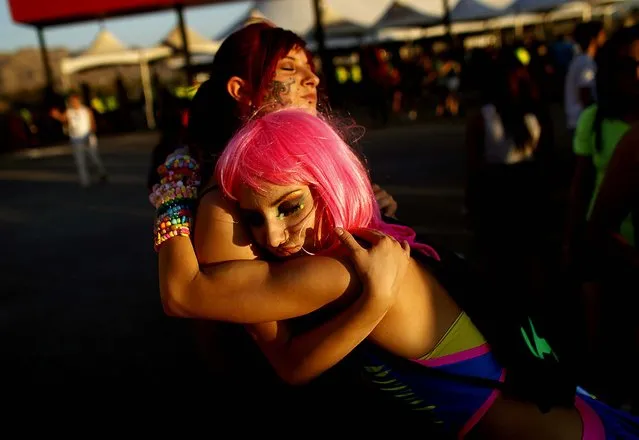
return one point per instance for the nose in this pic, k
(311, 79)
(275, 234)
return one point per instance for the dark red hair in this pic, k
(252, 54)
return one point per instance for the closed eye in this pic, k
(284, 210)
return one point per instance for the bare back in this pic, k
(419, 319)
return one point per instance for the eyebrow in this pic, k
(285, 196)
(276, 202)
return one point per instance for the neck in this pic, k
(592, 50)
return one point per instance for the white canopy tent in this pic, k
(107, 50)
(197, 43)
(469, 10)
(339, 31)
(297, 15)
(404, 14)
(252, 15)
(199, 47)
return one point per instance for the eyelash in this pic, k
(256, 220)
(285, 212)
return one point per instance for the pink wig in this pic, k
(292, 147)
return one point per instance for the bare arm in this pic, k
(617, 198)
(59, 116)
(232, 285)
(299, 359)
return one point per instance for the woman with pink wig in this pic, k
(258, 69)
(220, 275)
(299, 189)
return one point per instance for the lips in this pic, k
(310, 97)
(287, 251)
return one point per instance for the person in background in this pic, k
(81, 128)
(579, 91)
(600, 129)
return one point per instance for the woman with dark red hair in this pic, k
(258, 69)
(220, 275)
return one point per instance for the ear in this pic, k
(238, 89)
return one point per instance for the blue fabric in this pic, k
(451, 403)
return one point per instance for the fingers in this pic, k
(370, 235)
(406, 247)
(385, 201)
(348, 240)
(389, 209)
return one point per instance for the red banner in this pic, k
(47, 12)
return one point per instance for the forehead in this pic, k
(268, 195)
(296, 54)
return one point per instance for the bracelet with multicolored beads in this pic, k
(175, 220)
(177, 161)
(161, 238)
(168, 192)
(174, 197)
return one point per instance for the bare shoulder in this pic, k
(215, 206)
(219, 234)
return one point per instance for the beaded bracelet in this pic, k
(168, 193)
(174, 198)
(175, 220)
(161, 238)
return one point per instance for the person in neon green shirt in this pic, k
(584, 145)
(598, 137)
(599, 129)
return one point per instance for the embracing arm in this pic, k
(248, 291)
(298, 359)
(232, 285)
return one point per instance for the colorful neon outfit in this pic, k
(458, 405)
(453, 404)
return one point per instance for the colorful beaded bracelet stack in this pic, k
(174, 198)
(172, 191)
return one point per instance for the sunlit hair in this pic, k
(250, 53)
(292, 147)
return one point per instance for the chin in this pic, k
(309, 108)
